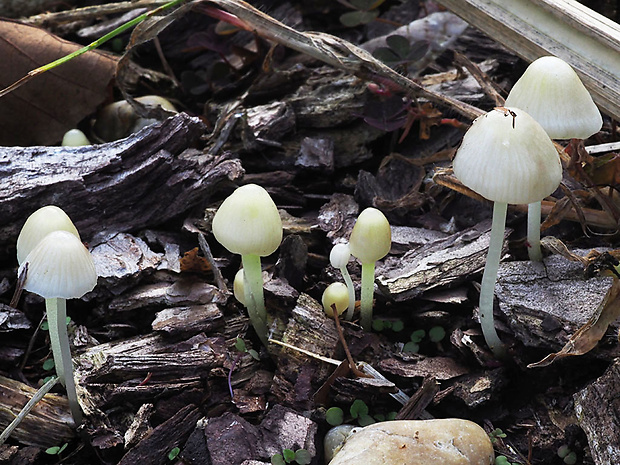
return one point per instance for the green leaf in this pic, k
(378, 324)
(173, 453)
(277, 459)
(418, 50)
(240, 345)
(436, 333)
(63, 447)
(386, 55)
(365, 420)
(391, 416)
(399, 44)
(303, 457)
(418, 335)
(398, 326)
(45, 326)
(411, 347)
(288, 455)
(53, 450)
(570, 459)
(356, 18)
(358, 408)
(334, 416)
(48, 364)
(254, 354)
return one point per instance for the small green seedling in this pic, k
(300, 456)
(496, 435)
(503, 460)
(359, 411)
(174, 453)
(56, 450)
(399, 50)
(241, 347)
(379, 324)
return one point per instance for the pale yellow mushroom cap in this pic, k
(507, 158)
(552, 93)
(371, 237)
(338, 294)
(60, 267)
(40, 224)
(248, 222)
(74, 138)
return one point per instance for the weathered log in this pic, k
(137, 182)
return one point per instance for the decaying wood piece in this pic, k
(437, 264)
(156, 446)
(598, 415)
(586, 40)
(545, 304)
(132, 183)
(48, 424)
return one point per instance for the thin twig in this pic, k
(352, 365)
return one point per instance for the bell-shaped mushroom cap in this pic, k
(371, 237)
(248, 222)
(40, 224)
(340, 255)
(60, 267)
(552, 93)
(506, 156)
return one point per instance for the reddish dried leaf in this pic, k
(42, 110)
(191, 262)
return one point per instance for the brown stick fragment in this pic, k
(354, 369)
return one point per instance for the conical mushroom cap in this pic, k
(552, 93)
(508, 158)
(60, 267)
(371, 237)
(248, 222)
(40, 224)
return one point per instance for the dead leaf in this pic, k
(42, 110)
(586, 337)
(191, 262)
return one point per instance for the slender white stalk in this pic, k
(489, 277)
(254, 296)
(533, 232)
(57, 320)
(368, 290)
(349, 282)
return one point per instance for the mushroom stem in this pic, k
(254, 296)
(489, 277)
(56, 309)
(368, 290)
(349, 282)
(533, 232)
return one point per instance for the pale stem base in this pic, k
(489, 277)
(254, 296)
(57, 321)
(368, 290)
(349, 282)
(533, 232)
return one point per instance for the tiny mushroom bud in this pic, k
(506, 157)
(370, 241)
(74, 138)
(239, 287)
(248, 223)
(335, 294)
(551, 92)
(60, 268)
(339, 257)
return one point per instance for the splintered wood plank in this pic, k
(586, 40)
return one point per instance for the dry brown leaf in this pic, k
(586, 337)
(42, 110)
